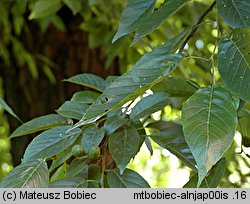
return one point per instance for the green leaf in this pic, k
(44, 8)
(156, 18)
(88, 80)
(170, 136)
(72, 109)
(123, 146)
(33, 174)
(234, 62)
(92, 137)
(212, 180)
(209, 124)
(87, 97)
(113, 123)
(234, 13)
(149, 145)
(51, 142)
(69, 183)
(60, 159)
(134, 13)
(59, 173)
(129, 179)
(94, 176)
(5, 106)
(175, 87)
(244, 126)
(76, 167)
(75, 6)
(149, 105)
(148, 71)
(38, 124)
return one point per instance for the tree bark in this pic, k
(29, 97)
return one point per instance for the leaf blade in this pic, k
(234, 13)
(234, 62)
(131, 19)
(157, 17)
(209, 123)
(6, 107)
(149, 105)
(38, 124)
(32, 174)
(129, 179)
(51, 142)
(123, 146)
(88, 80)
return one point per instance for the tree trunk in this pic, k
(31, 97)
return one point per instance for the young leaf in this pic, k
(175, 87)
(212, 180)
(235, 13)
(92, 137)
(234, 62)
(129, 179)
(60, 158)
(5, 106)
(209, 124)
(33, 174)
(148, 71)
(156, 18)
(88, 80)
(134, 13)
(44, 8)
(51, 142)
(123, 146)
(149, 105)
(69, 183)
(85, 97)
(72, 109)
(38, 124)
(170, 136)
(113, 123)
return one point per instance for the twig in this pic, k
(196, 26)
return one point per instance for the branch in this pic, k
(196, 26)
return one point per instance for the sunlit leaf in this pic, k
(123, 146)
(129, 179)
(234, 12)
(51, 142)
(209, 124)
(234, 62)
(38, 124)
(33, 174)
